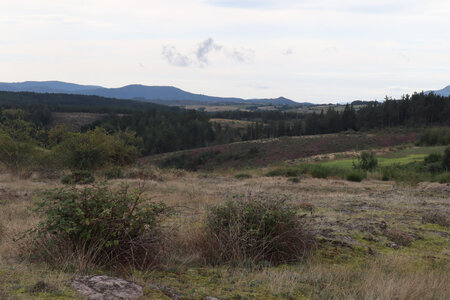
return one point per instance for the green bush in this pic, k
(433, 158)
(444, 178)
(242, 176)
(319, 171)
(294, 179)
(366, 161)
(189, 162)
(17, 154)
(276, 172)
(94, 149)
(410, 173)
(255, 230)
(253, 151)
(112, 227)
(283, 171)
(435, 167)
(446, 159)
(355, 176)
(78, 177)
(292, 172)
(115, 172)
(435, 136)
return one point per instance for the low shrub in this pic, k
(17, 155)
(366, 161)
(411, 173)
(78, 177)
(293, 172)
(143, 174)
(322, 171)
(276, 172)
(115, 172)
(435, 167)
(242, 176)
(433, 158)
(94, 149)
(253, 151)
(255, 229)
(435, 136)
(189, 162)
(319, 171)
(439, 218)
(283, 171)
(446, 159)
(386, 175)
(355, 176)
(444, 178)
(41, 287)
(399, 237)
(307, 206)
(113, 228)
(294, 179)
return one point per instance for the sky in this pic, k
(321, 51)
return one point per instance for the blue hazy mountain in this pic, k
(444, 92)
(159, 94)
(44, 87)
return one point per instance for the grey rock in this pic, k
(106, 288)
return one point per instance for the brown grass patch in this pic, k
(399, 237)
(440, 218)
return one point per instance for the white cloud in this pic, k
(288, 51)
(174, 57)
(204, 50)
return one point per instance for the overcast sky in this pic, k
(306, 50)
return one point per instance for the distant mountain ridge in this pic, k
(445, 92)
(158, 94)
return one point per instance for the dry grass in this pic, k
(344, 215)
(238, 124)
(75, 121)
(384, 278)
(436, 217)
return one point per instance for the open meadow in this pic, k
(224, 150)
(372, 239)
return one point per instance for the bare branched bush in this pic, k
(440, 218)
(254, 229)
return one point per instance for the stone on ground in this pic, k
(106, 288)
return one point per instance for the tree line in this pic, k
(418, 110)
(164, 129)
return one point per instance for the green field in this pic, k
(400, 157)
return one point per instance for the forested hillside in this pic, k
(164, 132)
(165, 129)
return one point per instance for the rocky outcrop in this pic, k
(106, 288)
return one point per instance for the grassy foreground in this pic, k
(374, 240)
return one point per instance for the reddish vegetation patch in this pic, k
(287, 148)
(387, 140)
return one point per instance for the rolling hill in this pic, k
(158, 94)
(445, 92)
